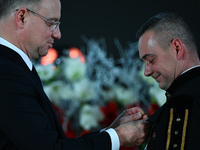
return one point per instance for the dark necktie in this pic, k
(36, 76)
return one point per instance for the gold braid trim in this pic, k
(184, 129)
(169, 128)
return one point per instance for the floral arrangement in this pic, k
(90, 95)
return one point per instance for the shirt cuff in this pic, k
(114, 139)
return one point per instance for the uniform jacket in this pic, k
(177, 121)
(27, 118)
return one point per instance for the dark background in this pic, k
(118, 19)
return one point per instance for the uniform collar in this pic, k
(183, 78)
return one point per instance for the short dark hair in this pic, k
(167, 26)
(7, 6)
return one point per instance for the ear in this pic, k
(20, 17)
(177, 46)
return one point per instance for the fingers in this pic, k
(132, 117)
(145, 117)
(134, 110)
(133, 114)
(129, 115)
(145, 124)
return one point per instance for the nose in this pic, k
(148, 70)
(56, 34)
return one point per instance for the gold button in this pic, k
(175, 145)
(167, 94)
(176, 132)
(178, 119)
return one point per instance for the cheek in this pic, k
(42, 38)
(41, 32)
(167, 70)
(161, 66)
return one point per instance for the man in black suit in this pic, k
(27, 119)
(168, 48)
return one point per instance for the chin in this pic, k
(44, 53)
(162, 86)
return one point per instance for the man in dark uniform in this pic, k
(168, 48)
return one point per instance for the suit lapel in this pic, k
(10, 55)
(16, 59)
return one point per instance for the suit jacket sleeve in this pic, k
(28, 121)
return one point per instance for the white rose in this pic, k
(90, 116)
(45, 72)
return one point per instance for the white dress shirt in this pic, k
(16, 49)
(114, 139)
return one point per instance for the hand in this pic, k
(128, 115)
(133, 133)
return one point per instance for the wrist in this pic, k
(120, 136)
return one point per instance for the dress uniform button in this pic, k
(178, 119)
(175, 145)
(176, 132)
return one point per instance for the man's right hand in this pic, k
(133, 133)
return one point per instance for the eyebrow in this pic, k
(146, 55)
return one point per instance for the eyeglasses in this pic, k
(50, 23)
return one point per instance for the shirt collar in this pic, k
(190, 69)
(17, 50)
